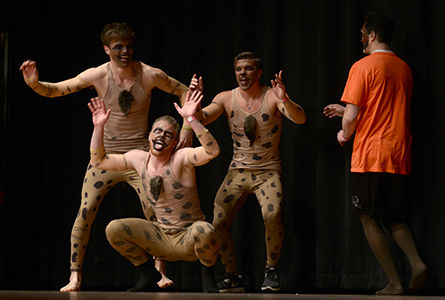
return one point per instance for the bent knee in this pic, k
(113, 228)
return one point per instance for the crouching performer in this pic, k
(169, 184)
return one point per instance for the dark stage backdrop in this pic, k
(45, 142)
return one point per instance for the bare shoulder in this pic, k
(92, 75)
(223, 98)
(153, 77)
(135, 157)
(152, 72)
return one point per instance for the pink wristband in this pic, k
(191, 118)
(284, 99)
(344, 137)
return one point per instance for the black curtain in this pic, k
(44, 146)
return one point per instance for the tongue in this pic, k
(158, 146)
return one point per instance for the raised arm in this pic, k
(49, 89)
(174, 87)
(209, 148)
(99, 158)
(285, 105)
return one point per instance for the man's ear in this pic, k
(107, 49)
(260, 72)
(373, 36)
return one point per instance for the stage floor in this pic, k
(52, 295)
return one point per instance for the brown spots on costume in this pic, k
(177, 185)
(255, 156)
(266, 185)
(98, 184)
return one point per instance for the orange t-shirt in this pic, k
(381, 84)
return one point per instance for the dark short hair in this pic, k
(249, 55)
(381, 24)
(113, 31)
(169, 119)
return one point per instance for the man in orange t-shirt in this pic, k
(377, 97)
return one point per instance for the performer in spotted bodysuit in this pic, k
(169, 186)
(254, 114)
(126, 86)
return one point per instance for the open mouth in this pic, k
(244, 81)
(159, 144)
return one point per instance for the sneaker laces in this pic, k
(271, 273)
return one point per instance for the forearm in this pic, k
(292, 111)
(349, 120)
(348, 126)
(97, 149)
(51, 90)
(209, 146)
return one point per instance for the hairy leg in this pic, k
(404, 239)
(380, 246)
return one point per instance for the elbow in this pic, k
(302, 119)
(214, 153)
(217, 152)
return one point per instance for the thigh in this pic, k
(230, 197)
(269, 192)
(147, 235)
(381, 196)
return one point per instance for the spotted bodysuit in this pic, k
(255, 168)
(179, 233)
(123, 132)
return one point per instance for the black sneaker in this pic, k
(271, 280)
(231, 284)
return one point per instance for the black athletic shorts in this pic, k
(381, 196)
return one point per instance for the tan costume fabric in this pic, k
(265, 151)
(254, 170)
(179, 205)
(122, 133)
(137, 239)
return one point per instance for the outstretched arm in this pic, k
(48, 89)
(209, 148)
(334, 110)
(286, 106)
(99, 158)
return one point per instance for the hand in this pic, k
(30, 73)
(334, 110)
(341, 139)
(196, 84)
(278, 86)
(185, 138)
(100, 114)
(191, 103)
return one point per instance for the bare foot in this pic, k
(165, 282)
(390, 290)
(418, 278)
(74, 284)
